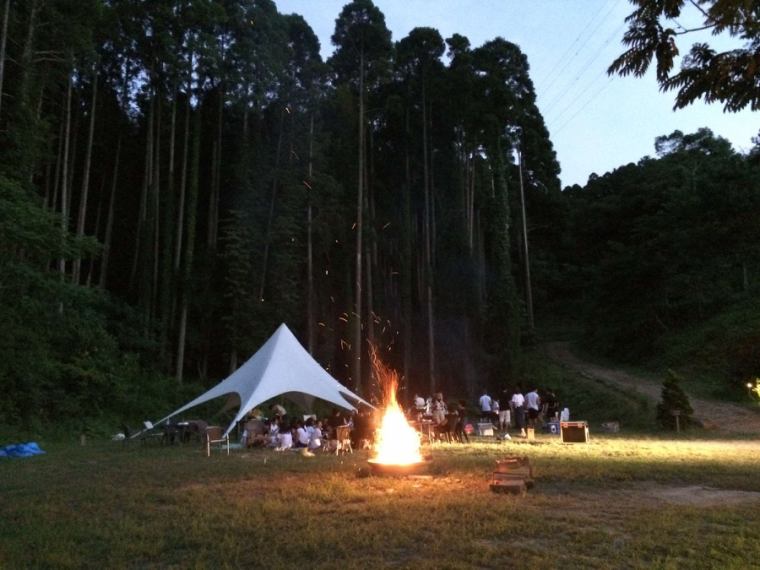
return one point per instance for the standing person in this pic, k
(485, 406)
(552, 405)
(505, 418)
(533, 405)
(518, 405)
(459, 432)
(495, 411)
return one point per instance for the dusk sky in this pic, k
(595, 122)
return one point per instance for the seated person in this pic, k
(273, 433)
(302, 436)
(439, 410)
(285, 440)
(315, 438)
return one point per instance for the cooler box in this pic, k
(574, 432)
(485, 429)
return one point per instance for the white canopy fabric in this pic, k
(280, 367)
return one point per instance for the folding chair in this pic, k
(214, 436)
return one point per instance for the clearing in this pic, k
(713, 414)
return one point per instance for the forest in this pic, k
(179, 177)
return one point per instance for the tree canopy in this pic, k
(730, 77)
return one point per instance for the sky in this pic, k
(596, 122)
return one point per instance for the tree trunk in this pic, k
(27, 52)
(109, 219)
(406, 270)
(73, 160)
(428, 252)
(528, 286)
(143, 212)
(3, 41)
(77, 265)
(153, 309)
(270, 218)
(356, 368)
(64, 179)
(213, 211)
(190, 247)
(310, 317)
(166, 261)
(182, 187)
(98, 217)
(370, 250)
(51, 204)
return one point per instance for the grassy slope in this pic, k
(597, 505)
(715, 358)
(588, 399)
(720, 355)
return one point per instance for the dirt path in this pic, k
(714, 415)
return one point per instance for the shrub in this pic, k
(674, 400)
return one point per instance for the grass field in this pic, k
(616, 502)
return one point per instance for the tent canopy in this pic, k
(280, 366)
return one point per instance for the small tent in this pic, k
(280, 367)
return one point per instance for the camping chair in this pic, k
(343, 440)
(214, 436)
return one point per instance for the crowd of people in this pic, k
(515, 410)
(446, 421)
(281, 432)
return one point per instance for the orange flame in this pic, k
(397, 442)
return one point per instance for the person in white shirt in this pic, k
(533, 404)
(285, 439)
(302, 436)
(517, 403)
(315, 439)
(485, 406)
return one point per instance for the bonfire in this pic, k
(397, 443)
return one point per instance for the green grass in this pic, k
(616, 502)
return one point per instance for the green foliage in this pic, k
(674, 401)
(665, 244)
(729, 77)
(60, 352)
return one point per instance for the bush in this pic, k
(674, 401)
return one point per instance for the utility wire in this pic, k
(552, 77)
(569, 48)
(586, 66)
(586, 104)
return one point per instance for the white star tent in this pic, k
(280, 367)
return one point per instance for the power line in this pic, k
(586, 104)
(586, 66)
(552, 77)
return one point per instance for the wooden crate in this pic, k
(512, 475)
(511, 486)
(574, 432)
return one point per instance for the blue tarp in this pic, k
(21, 450)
